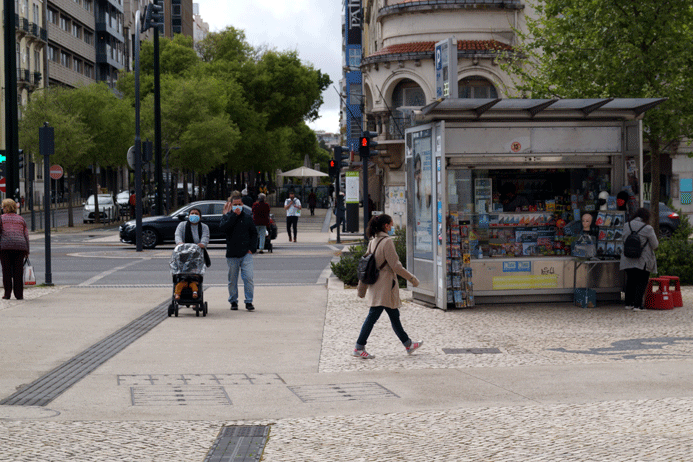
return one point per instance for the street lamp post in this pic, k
(169, 199)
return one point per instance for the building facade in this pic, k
(398, 40)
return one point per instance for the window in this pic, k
(26, 59)
(176, 10)
(355, 96)
(64, 23)
(88, 37)
(37, 61)
(52, 54)
(65, 59)
(354, 57)
(476, 87)
(52, 16)
(25, 8)
(77, 65)
(89, 71)
(19, 57)
(36, 16)
(88, 5)
(177, 29)
(76, 31)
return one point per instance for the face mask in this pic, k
(194, 218)
(392, 231)
(236, 208)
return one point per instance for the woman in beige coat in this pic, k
(384, 294)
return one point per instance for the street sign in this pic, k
(56, 172)
(3, 184)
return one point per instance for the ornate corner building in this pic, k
(397, 65)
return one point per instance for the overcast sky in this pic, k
(311, 27)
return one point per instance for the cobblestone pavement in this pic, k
(614, 430)
(541, 334)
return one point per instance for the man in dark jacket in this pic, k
(241, 244)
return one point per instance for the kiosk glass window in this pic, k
(423, 194)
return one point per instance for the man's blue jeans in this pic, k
(245, 265)
(261, 230)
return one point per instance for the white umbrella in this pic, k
(303, 172)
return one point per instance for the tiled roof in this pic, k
(428, 47)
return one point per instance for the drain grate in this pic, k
(179, 396)
(474, 351)
(239, 444)
(45, 389)
(135, 380)
(342, 392)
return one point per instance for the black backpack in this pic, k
(631, 246)
(367, 271)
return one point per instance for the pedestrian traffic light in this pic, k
(367, 143)
(332, 168)
(20, 158)
(340, 159)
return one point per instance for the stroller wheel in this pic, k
(175, 310)
(197, 312)
(204, 310)
(170, 310)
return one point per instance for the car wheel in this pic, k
(149, 238)
(665, 231)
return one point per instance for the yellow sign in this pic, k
(547, 281)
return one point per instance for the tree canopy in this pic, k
(614, 48)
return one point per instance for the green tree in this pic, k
(615, 48)
(106, 135)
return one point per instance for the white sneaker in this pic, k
(414, 346)
(362, 354)
(629, 307)
(639, 309)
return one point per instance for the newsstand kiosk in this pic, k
(515, 200)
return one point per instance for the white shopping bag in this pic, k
(29, 276)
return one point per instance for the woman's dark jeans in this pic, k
(13, 272)
(372, 318)
(636, 284)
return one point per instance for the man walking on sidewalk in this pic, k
(293, 211)
(241, 244)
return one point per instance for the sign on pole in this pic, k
(446, 68)
(56, 172)
(3, 184)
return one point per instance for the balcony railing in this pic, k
(36, 78)
(23, 76)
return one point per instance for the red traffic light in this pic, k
(364, 141)
(332, 164)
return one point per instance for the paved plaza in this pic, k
(544, 382)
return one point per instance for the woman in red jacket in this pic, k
(14, 248)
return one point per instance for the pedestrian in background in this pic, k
(384, 294)
(261, 218)
(14, 248)
(241, 244)
(339, 210)
(293, 210)
(638, 269)
(312, 201)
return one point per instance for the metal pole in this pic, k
(46, 148)
(32, 168)
(157, 124)
(365, 196)
(338, 202)
(11, 117)
(138, 144)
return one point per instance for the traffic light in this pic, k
(20, 158)
(367, 143)
(332, 169)
(153, 16)
(340, 158)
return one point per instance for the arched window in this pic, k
(406, 93)
(476, 87)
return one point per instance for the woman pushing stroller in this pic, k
(192, 231)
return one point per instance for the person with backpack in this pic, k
(638, 257)
(383, 295)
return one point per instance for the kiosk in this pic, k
(497, 190)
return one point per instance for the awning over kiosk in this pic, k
(519, 109)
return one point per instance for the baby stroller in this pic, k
(188, 266)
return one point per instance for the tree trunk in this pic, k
(654, 186)
(185, 188)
